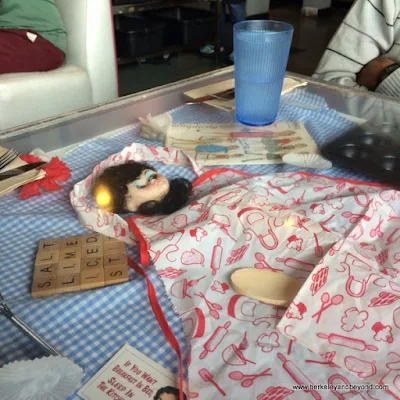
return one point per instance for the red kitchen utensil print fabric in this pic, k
(336, 236)
(360, 324)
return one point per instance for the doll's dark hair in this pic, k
(168, 390)
(115, 179)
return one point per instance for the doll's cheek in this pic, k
(159, 188)
(133, 199)
(162, 181)
(136, 197)
(131, 204)
(157, 191)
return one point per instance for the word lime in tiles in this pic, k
(78, 263)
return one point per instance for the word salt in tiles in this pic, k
(78, 263)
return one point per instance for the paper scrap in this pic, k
(31, 36)
(289, 84)
(14, 182)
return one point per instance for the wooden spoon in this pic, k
(266, 286)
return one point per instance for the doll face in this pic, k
(150, 185)
(167, 396)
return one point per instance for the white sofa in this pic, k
(88, 76)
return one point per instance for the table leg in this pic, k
(218, 41)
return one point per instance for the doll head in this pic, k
(168, 393)
(138, 187)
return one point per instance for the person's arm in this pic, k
(366, 33)
(389, 84)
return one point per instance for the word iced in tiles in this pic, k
(78, 263)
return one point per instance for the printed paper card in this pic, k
(131, 375)
(230, 144)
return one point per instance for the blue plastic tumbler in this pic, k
(261, 55)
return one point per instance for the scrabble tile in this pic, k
(114, 248)
(71, 242)
(45, 271)
(76, 263)
(92, 278)
(92, 251)
(115, 260)
(47, 257)
(113, 275)
(92, 239)
(107, 239)
(92, 262)
(68, 283)
(50, 244)
(43, 287)
(67, 255)
(69, 267)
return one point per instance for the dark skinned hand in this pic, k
(370, 74)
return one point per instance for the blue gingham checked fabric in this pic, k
(89, 327)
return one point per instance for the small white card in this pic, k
(130, 375)
(31, 36)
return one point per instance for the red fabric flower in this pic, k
(56, 170)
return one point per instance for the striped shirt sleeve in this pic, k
(367, 32)
(391, 85)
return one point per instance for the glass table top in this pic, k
(76, 127)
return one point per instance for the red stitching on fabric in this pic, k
(374, 184)
(216, 171)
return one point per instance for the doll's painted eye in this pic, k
(150, 175)
(139, 185)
